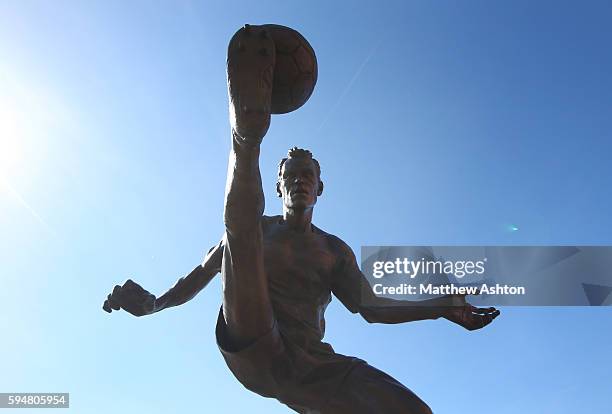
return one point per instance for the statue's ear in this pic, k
(278, 190)
(320, 188)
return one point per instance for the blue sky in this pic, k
(434, 123)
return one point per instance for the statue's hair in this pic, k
(296, 152)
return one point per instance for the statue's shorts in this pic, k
(314, 382)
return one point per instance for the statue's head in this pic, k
(299, 179)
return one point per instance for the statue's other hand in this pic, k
(471, 317)
(132, 298)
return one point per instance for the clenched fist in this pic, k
(132, 298)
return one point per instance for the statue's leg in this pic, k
(369, 390)
(247, 311)
(246, 303)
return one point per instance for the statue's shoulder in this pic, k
(335, 243)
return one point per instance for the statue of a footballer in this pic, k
(279, 272)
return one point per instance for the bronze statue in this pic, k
(279, 272)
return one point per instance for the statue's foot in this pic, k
(251, 56)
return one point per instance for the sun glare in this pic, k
(30, 115)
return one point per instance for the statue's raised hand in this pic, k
(468, 316)
(132, 298)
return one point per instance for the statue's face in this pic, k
(299, 184)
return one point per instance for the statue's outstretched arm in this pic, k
(139, 302)
(186, 288)
(354, 291)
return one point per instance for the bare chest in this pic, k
(298, 264)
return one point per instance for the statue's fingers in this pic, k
(131, 287)
(112, 301)
(130, 284)
(116, 294)
(106, 306)
(486, 319)
(482, 311)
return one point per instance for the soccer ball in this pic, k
(295, 72)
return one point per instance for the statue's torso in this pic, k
(299, 267)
